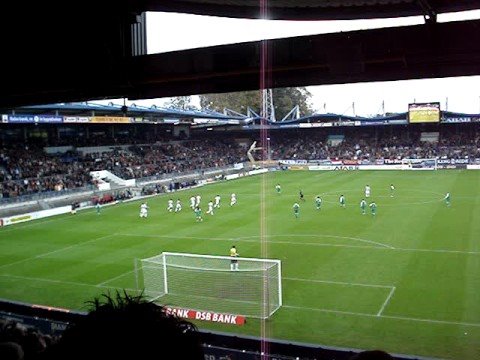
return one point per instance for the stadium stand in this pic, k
(28, 169)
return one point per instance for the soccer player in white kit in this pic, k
(178, 206)
(170, 205)
(367, 191)
(392, 190)
(233, 199)
(217, 202)
(192, 202)
(198, 198)
(210, 208)
(144, 210)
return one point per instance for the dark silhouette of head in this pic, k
(126, 326)
(11, 351)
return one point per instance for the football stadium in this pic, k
(237, 231)
(348, 273)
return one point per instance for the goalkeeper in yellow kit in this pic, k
(234, 262)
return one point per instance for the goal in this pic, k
(206, 282)
(420, 164)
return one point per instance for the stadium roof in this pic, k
(62, 52)
(71, 112)
(331, 119)
(312, 9)
(86, 108)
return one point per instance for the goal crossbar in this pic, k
(212, 257)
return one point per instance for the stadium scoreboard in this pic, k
(424, 112)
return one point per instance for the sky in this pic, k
(462, 94)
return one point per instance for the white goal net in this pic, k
(205, 282)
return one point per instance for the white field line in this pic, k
(336, 193)
(393, 317)
(321, 244)
(82, 212)
(338, 283)
(397, 205)
(62, 282)
(305, 308)
(301, 308)
(326, 236)
(115, 278)
(402, 204)
(440, 251)
(285, 278)
(85, 211)
(177, 237)
(251, 241)
(56, 251)
(384, 305)
(247, 240)
(361, 193)
(288, 278)
(375, 247)
(19, 227)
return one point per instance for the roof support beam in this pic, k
(400, 53)
(429, 14)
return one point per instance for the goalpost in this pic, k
(206, 282)
(420, 164)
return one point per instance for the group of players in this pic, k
(195, 201)
(363, 203)
(318, 201)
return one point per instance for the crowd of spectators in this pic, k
(28, 169)
(385, 146)
(21, 342)
(158, 159)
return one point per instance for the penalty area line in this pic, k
(385, 303)
(63, 282)
(293, 307)
(379, 244)
(60, 217)
(58, 250)
(115, 278)
(392, 317)
(254, 239)
(338, 283)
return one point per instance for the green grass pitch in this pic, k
(406, 281)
